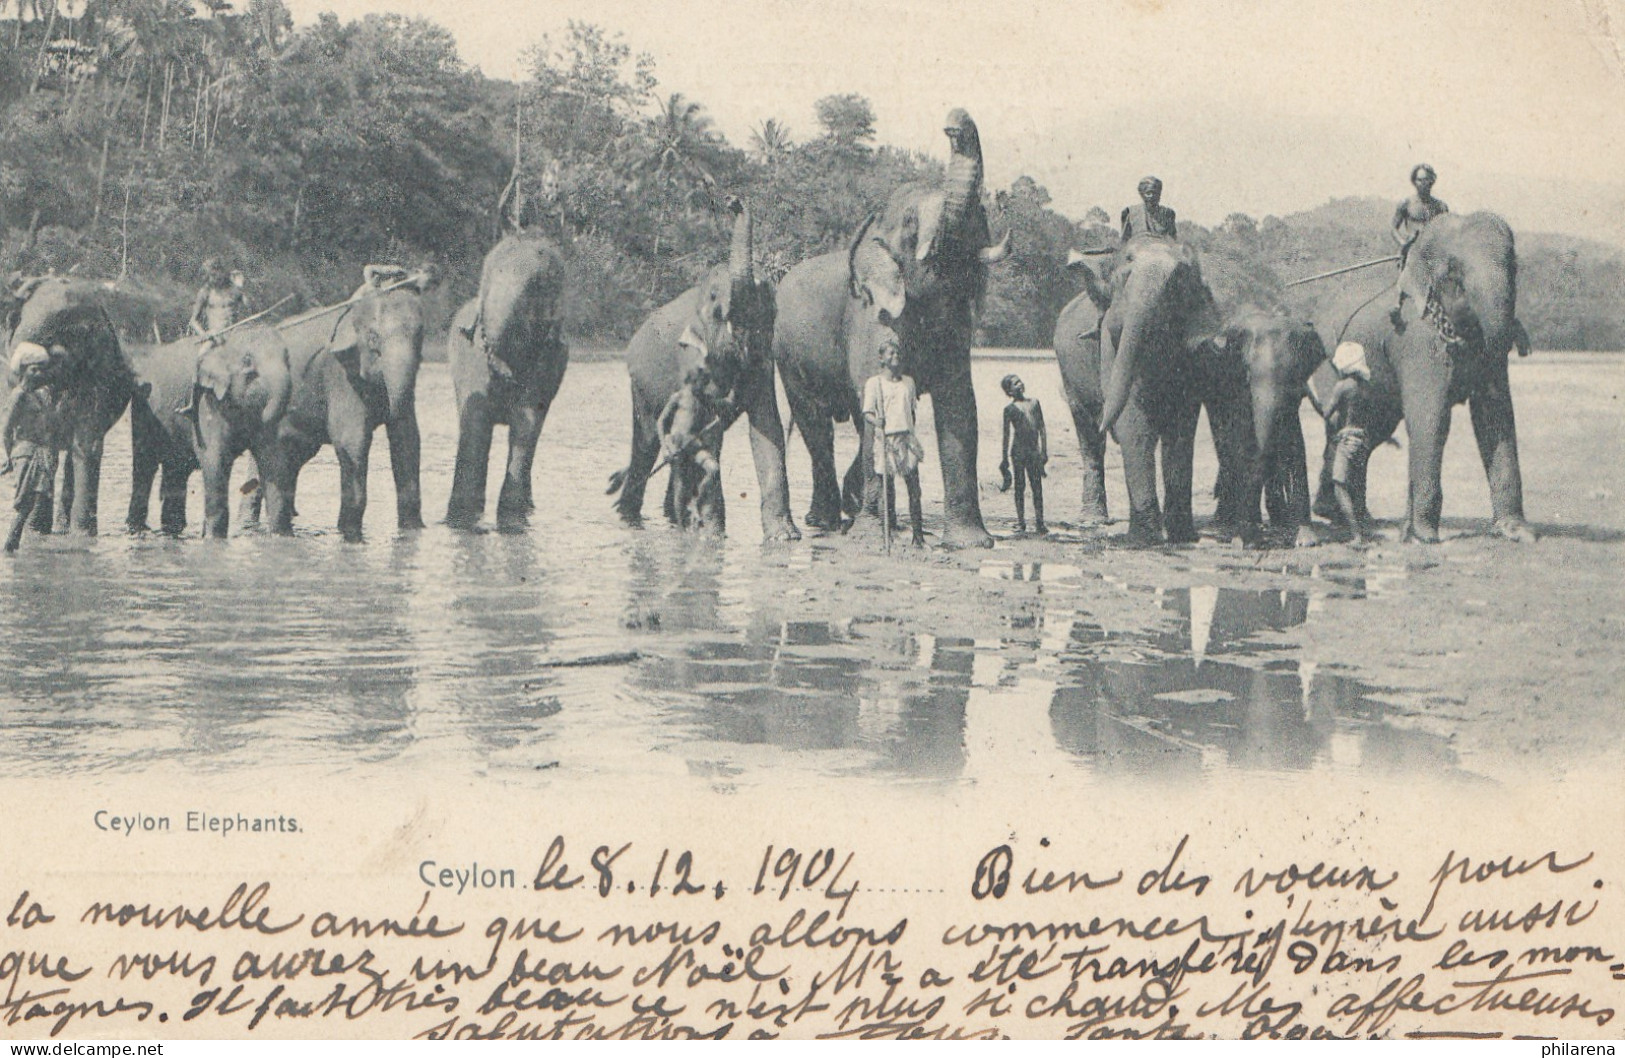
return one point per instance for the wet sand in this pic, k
(787, 665)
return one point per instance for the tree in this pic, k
(770, 142)
(848, 121)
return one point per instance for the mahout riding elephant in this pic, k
(355, 368)
(1446, 343)
(931, 245)
(1255, 373)
(68, 319)
(507, 357)
(238, 390)
(725, 325)
(1136, 373)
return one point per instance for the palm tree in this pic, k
(685, 144)
(770, 142)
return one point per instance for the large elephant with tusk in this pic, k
(912, 276)
(1136, 373)
(724, 324)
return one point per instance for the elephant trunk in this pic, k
(278, 380)
(1493, 301)
(398, 370)
(741, 274)
(963, 184)
(1141, 302)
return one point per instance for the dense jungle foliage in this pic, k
(138, 137)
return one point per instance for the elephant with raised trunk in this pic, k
(1136, 372)
(67, 318)
(1256, 373)
(1447, 343)
(507, 357)
(725, 325)
(912, 276)
(354, 369)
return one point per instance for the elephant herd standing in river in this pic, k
(1138, 362)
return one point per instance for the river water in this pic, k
(432, 649)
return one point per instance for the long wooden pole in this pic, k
(1340, 271)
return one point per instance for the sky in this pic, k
(1254, 106)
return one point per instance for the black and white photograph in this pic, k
(876, 519)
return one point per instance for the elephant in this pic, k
(239, 390)
(913, 276)
(1136, 372)
(354, 369)
(67, 318)
(725, 325)
(507, 359)
(1255, 376)
(1446, 343)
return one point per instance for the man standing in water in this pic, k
(889, 401)
(1410, 217)
(1150, 217)
(30, 436)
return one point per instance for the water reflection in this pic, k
(433, 648)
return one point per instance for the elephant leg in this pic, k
(1092, 446)
(857, 488)
(353, 458)
(524, 428)
(467, 504)
(1325, 504)
(87, 460)
(216, 460)
(1178, 457)
(266, 454)
(1234, 440)
(405, 455)
(1289, 480)
(64, 494)
(760, 401)
(1427, 422)
(1138, 441)
(256, 474)
(143, 469)
(953, 403)
(172, 496)
(279, 465)
(645, 449)
(818, 435)
(828, 499)
(1495, 430)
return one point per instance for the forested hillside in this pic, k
(139, 137)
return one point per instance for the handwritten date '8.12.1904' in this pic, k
(622, 939)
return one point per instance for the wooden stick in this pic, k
(1340, 271)
(212, 335)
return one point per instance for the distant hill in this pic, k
(1571, 291)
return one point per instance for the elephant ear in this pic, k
(346, 341)
(214, 375)
(1202, 320)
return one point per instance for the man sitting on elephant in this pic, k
(1410, 217)
(1150, 217)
